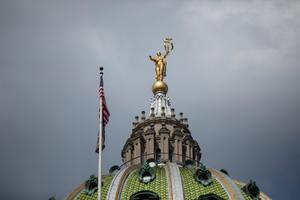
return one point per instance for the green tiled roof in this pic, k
(159, 185)
(107, 180)
(246, 197)
(193, 189)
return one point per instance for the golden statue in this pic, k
(161, 60)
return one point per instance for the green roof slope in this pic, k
(106, 183)
(192, 189)
(246, 197)
(159, 185)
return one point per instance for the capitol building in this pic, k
(162, 160)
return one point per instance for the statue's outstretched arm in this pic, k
(152, 58)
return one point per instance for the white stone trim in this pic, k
(113, 189)
(233, 186)
(176, 181)
(224, 188)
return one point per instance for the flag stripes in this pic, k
(103, 110)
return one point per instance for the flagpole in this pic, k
(100, 140)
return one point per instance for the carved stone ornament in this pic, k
(146, 174)
(203, 175)
(91, 185)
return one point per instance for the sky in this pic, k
(234, 73)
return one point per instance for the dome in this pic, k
(172, 181)
(161, 161)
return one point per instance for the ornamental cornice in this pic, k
(164, 130)
(160, 120)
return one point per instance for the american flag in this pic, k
(105, 113)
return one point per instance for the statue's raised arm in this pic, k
(166, 54)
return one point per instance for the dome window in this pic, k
(142, 195)
(210, 197)
(158, 155)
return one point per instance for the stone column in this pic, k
(196, 158)
(180, 151)
(147, 148)
(161, 145)
(188, 150)
(137, 151)
(128, 156)
(192, 152)
(175, 157)
(149, 137)
(151, 147)
(166, 148)
(164, 139)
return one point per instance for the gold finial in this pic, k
(161, 67)
(159, 86)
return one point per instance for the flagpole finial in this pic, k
(101, 70)
(101, 76)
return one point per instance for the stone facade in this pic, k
(162, 138)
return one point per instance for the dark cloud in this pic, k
(234, 73)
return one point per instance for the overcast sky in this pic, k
(234, 72)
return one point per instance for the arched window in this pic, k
(183, 153)
(194, 153)
(210, 197)
(144, 195)
(158, 155)
(170, 153)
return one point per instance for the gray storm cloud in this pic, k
(234, 72)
